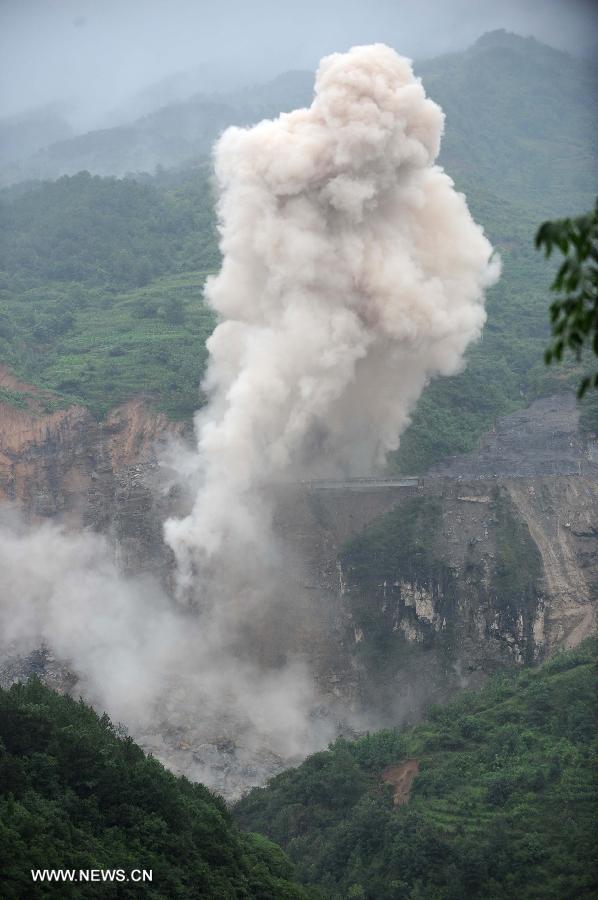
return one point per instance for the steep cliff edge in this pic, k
(43, 454)
(64, 462)
(455, 581)
(54, 454)
(491, 561)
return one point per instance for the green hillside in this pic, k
(521, 120)
(100, 278)
(504, 805)
(75, 794)
(100, 288)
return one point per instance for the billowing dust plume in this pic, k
(152, 665)
(352, 273)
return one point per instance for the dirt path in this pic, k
(401, 777)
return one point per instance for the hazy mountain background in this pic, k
(521, 118)
(174, 135)
(98, 59)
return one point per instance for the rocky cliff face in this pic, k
(66, 464)
(398, 595)
(491, 561)
(454, 582)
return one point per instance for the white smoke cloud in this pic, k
(352, 273)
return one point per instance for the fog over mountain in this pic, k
(100, 59)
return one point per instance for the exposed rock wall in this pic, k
(66, 464)
(510, 576)
(562, 517)
(504, 572)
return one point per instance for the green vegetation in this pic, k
(76, 794)
(574, 318)
(504, 805)
(104, 231)
(398, 545)
(520, 121)
(17, 399)
(100, 297)
(144, 340)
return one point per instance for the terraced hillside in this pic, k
(503, 804)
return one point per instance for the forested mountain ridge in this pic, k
(76, 793)
(521, 120)
(493, 797)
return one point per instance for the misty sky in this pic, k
(94, 54)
